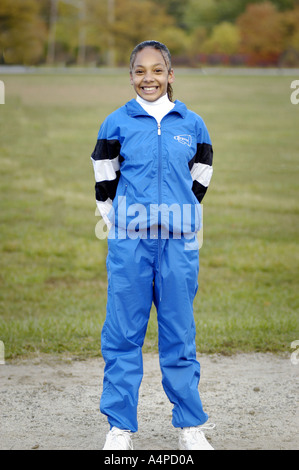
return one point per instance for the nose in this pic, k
(148, 77)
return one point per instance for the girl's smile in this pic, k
(150, 75)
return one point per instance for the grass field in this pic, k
(53, 277)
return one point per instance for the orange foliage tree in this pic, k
(261, 33)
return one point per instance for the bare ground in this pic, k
(53, 403)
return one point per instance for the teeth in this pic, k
(149, 88)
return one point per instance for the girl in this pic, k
(153, 158)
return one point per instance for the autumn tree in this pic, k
(105, 31)
(136, 21)
(261, 32)
(290, 26)
(22, 32)
(113, 32)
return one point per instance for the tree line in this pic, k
(103, 32)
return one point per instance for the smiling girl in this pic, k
(157, 154)
(151, 73)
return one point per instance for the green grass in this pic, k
(53, 278)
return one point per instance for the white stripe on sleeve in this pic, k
(105, 170)
(202, 173)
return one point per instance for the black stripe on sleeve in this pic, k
(106, 149)
(204, 154)
(199, 190)
(106, 189)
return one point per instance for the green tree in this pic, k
(201, 14)
(176, 9)
(225, 39)
(283, 5)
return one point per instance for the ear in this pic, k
(131, 79)
(171, 76)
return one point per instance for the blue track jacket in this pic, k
(149, 174)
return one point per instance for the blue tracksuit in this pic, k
(150, 180)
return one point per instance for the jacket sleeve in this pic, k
(201, 164)
(105, 159)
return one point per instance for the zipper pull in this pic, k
(159, 129)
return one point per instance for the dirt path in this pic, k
(47, 403)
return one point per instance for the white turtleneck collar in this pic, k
(158, 109)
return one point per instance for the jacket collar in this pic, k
(134, 109)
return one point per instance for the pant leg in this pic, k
(130, 295)
(177, 348)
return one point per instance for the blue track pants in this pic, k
(140, 272)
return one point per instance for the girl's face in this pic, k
(150, 75)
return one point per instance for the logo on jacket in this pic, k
(184, 139)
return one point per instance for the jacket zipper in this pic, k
(159, 201)
(159, 164)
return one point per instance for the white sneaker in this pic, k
(194, 438)
(118, 439)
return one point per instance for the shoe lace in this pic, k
(196, 433)
(207, 427)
